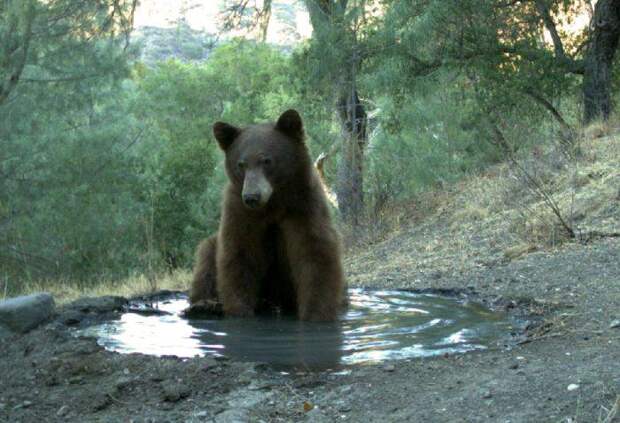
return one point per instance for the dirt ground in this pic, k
(567, 370)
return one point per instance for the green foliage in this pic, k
(65, 132)
(243, 83)
(109, 176)
(108, 165)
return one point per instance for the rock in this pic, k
(86, 347)
(71, 318)
(123, 382)
(258, 386)
(247, 376)
(21, 405)
(389, 368)
(517, 251)
(572, 387)
(98, 304)
(615, 324)
(239, 415)
(486, 395)
(344, 407)
(345, 390)
(76, 380)
(101, 402)
(4, 333)
(316, 416)
(514, 366)
(208, 363)
(202, 414)
(62, 411)
(175, 391)
(22, 314)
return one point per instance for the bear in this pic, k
(276, 247)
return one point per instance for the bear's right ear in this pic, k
(225, 134)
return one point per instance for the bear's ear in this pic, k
(290, 123)
(225, 134)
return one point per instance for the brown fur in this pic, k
(283, 253)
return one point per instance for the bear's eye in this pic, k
(241, 165)
(267, 161)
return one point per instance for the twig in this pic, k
(611, 413)
(116, 400)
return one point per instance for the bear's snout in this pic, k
(256, 189)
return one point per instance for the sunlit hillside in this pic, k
(289, 23)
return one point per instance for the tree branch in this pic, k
(560, 54)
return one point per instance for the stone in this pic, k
(316, 416)
(615, 324)
(62, 411)
(71, 318)
(175, 391)
(123, 382)
(101, 402)
(239, 415)
(208, 363)
(4, 333)
(486, 395)
(343, 407)
(22, 314)
(99, 304)
(389, 368)
(572, 387)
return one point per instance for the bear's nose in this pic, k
(251, 200)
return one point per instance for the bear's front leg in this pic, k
(313, 253)
(240, 268)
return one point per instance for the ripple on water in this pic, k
(379, 325)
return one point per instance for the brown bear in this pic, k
(276, 247)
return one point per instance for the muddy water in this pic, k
(378, 326)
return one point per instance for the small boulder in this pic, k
(22, 314)
(174, 392)
(4, 333)
(389, 368)
(98, 304)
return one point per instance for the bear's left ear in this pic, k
(290, 123)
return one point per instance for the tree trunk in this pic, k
(264, 16)
(599, 60)
(16, 34)
(350, 181)
(327, 16)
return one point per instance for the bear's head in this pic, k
(264, 159)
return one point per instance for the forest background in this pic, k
(109, 170)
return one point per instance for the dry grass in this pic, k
(67, 291)
(610, 414)
(584, 189)
(497, 216)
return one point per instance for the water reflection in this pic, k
(379, 325)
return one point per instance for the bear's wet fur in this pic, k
(276, 247)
